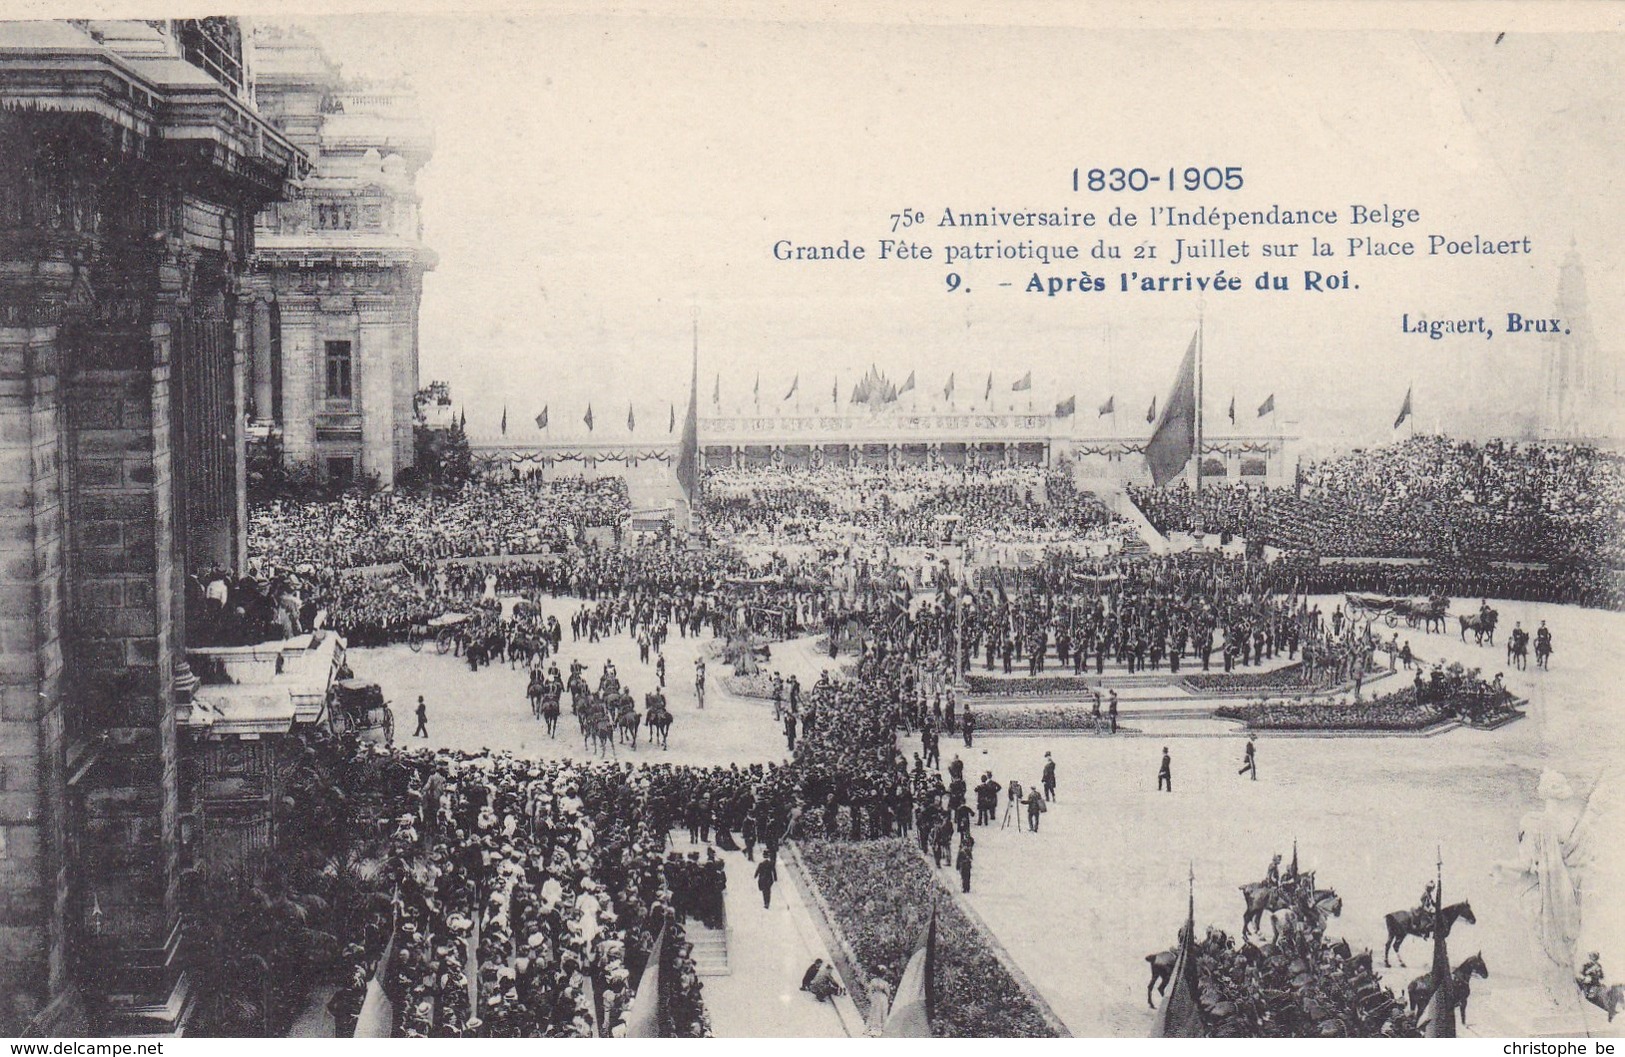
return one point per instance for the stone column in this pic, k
(260, 341)
(301, 376)
(376, 363)
(34, 965)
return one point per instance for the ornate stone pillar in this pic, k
(301, 375)
(375, 360)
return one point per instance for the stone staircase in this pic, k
(710, 948)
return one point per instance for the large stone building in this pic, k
(338, 269)
(133, 162)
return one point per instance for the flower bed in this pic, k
(1037, 717)
(880, 894)
(1399, 711)
(1290, 677)
(1041, 686)
(758, 685)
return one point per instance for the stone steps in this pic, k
(710, 948)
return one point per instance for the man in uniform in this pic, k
(422, 730)
(1272, 876)
(1049, 777)
(1165, 773)
(1543, 645)
(1428, 908)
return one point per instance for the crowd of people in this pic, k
(1543, 520)
(902, 506)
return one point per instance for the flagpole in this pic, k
(1201, 342)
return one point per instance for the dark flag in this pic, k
(504, 420)
(464, 423)
(910, 1016)
(1267, 406)
(1110, 406)
(1151, 414)
(716, 391)
(1066, 407)
(688, 449)
(1404, 409)
(909, 384)
(1179, 1016)
(671, 421)
(588, 418)
(834, 393)
(643, 1019)
(989, 394)
(1232, 409)
(541, 419)
(795, 384)
(948, 390)
(756, 389)
(1438, 1018)
(631, 420)
(1023, 384)
(1173, 442)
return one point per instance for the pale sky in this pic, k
(599, 181)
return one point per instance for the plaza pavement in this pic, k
(1080, 904)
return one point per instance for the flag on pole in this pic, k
(948, 390)
(1173, 442)
(1438, 1019)
(588, 418)
(1109, 407)
(541, 419)
(834, 392)
(688, 449)
(1180, 1016)
(1232, 409)
(643, 1015)
(989, 394)
(716, 391)
(1404, 409)
(1024, 383)
(671, 422)
(504, 420)
(1267, 406)
(909, 384)
(795, 384)
(377, 1017)
(1066, 407)
(756, 389)
(1151, 414)
(631, 420)
(910, 1016)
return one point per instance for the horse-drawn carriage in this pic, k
(357, 706)
(441, 630)
(1428, 613)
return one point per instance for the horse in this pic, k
(1518, 654)
(1543, 654)
(536, 691)
(579, 693)
(550, 713)
(1402, 923)
(657, 718)
(1604, 998)
(1324, 904)
(1162, 971)
(598, 731)
(627, 722)
(1259, 899)
(1420, 990)
(1482, 626)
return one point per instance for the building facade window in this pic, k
(341, 469)
(335, 216)
(340, 371)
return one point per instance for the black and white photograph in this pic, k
(812, 521)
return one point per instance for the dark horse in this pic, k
(1606, 998)
(1402, 923)
(1481, 625)
(550, 712)
(1461, 983)
(657, 718)
(1162, 971)
(1261, 899)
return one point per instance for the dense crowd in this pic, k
(482, 518)
(912, 505)
(1477, 512)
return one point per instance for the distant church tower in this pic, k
(1578, 396)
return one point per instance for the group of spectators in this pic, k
(1542, 521)
(902, 506)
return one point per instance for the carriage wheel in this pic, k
(1393, 621)
(443, 642)
(414, 640)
